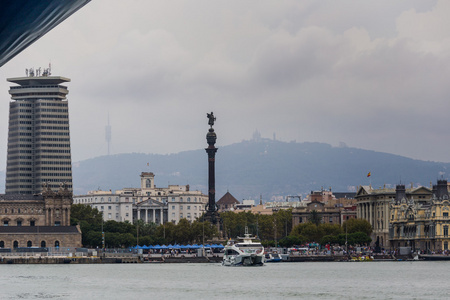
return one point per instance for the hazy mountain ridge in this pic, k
(252, 168)
(266, 167)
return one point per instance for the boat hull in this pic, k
(244, 260)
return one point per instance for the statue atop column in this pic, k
(211, 213)
(211, 119)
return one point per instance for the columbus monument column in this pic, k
(211, 214)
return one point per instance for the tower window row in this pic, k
(51, 128)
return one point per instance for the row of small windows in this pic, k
(29, 244)
(51, 128)
(38, 145)
(20, 175)
(10, 184)
(15, 123)
(23, 187)
(19, 151)
(24, 211)
(39, 180)
(53, 151)
(20, 146)
(181, 216)
(53, 157)
(50, 122)
(38, 94)
(181, 199)
(19, 169)
(55, 110)
(38, 87)
(53, 163)
(188, 207)
(17, 116)
(53, 139)
(21, 140)
(58, 103)
(53, 169)
(90, 200)
(38, 157)
(51, 133)
(22, 163)
(56, 174)
(12, 134)
(12, 123)
(109, 207)
(55, 116)
(54, 180)
(21, 104)
(28, 163)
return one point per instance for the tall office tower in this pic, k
(38, 136)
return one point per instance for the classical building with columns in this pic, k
(149, 203)
(40, 220)
(373, 205)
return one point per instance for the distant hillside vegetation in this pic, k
(253, 168)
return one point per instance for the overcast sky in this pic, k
(372, 74)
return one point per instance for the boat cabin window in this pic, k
(231, 252)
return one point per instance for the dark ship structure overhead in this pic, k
(22, 22)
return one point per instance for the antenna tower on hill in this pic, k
(108, 134)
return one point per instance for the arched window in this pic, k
(29, 244)
(2, 244)
(15, 244)
(56, 244)
(43, 244)
(148, 183)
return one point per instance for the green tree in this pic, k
(357, 225)
(89, 218)
(119, 227)
(183, 232)
(90, 221)
(329, 229)
(165, 234)
(92, 238)
(283, 222)
(290, 241)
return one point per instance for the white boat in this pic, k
(245, 252)
(273, 257)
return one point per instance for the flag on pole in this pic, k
(368, 174)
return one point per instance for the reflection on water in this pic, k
(323, 280)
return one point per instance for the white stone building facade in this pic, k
(148, 203)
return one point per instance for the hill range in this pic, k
(258, 168)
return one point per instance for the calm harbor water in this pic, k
(318, 280)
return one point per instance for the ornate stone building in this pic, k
(41, 220)
(373, 206)
(421, 226)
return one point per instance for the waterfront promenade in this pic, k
(118, 257)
